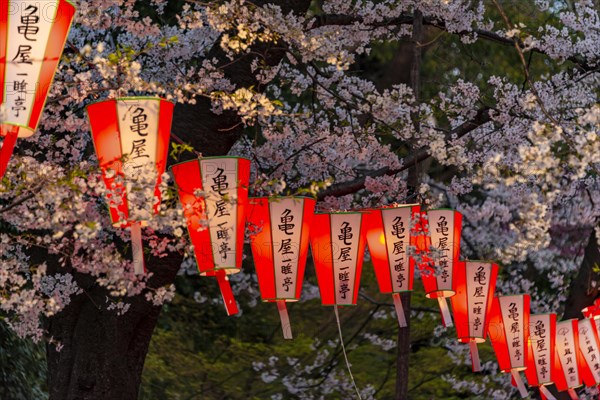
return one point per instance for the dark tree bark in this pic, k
(102, 355)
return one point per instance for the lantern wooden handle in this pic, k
(226, 292)
(519, 382)
(545, 393)
(399, 310)
(137, 246)
(475, 362)
(285, 319)
(7, 149)
(446, 318)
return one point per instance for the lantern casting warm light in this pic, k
(566, 368)
(32, 39)
(475, 283)
(540, 359)
(389, 236)
(442, 253)
(131, 138)
(214, 194)
(509, 332)
(280, 229)
(337, 241)
(589, 354)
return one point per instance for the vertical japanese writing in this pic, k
(477, 291)
(513, 320)
(589, 347)
(286, 226)
(441, 230)
(396, 224)
(540, 346)
(345, 231)
(566, 349)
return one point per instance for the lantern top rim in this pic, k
(511, 295)
(207, 158)
(70, 2)
(342, 212)
(392, 206)
(480, 261)
(569, 320)
(280, 197)
(543, 313)
(129, 98)
(443, 209)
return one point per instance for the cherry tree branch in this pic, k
(344, 188)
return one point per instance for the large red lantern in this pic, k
(214, 194)
(131, 138)
(337, 241)
(566, 369)
(509, 332)
(589, 354)
(540, 359)
(279, 239)
(442, 253)
(32, 38)
(389, 236)
(474, 283)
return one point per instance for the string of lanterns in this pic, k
(131, 136)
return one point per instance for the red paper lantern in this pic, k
(389, 234)
(214, 194)
(32, 39)
(131, 138)
(589, 354)
(337, 241)
(474, 283)
(279, 239)
(540, 359)
(566, 369)
(509, 332)
(443, 250)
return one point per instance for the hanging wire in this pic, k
(337, 318)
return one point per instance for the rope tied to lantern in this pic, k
(279, 235)
(439, 248)
(214, 194)
(131, 138)
(509, 333)
(474, 283)
(32, 40)
(390, 237)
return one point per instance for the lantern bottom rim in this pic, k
(470, 339)
(517, 369)
(440, 293)
(213, 272)
(339, 305)
(275, 300)
(23, 131)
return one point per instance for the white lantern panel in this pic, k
(566, 350)
(441, 230)
(286, 232)
(588, 346)
(539, 335)
(478, 276)
(396, 225)
(220, 183)
(29, 26)
(345, 236)
(138, 129)
(514, 328)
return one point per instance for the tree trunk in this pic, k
(403, 352)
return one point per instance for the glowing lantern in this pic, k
(509, 332)
(540, 359)
(589, 354)
(475, 283)
(32, 38)
(214, 194)
(131, 138)
(566, 371)
(337, 241)
(279, 240)
(443, 250)
(389, 236)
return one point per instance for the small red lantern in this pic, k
(280, 230)
(540, 359)
(442, 254)
(214, 194)
(337, 241)
(389, 235)
(566, 369)
(474, 283)
(589, 354)
(131, 138)
(509, 333)
(32, 39)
